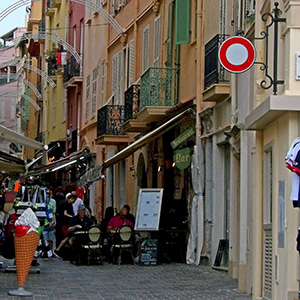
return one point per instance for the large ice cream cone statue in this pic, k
(25, 247)
(26, 241)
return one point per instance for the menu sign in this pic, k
(148, 252)
(148, 210)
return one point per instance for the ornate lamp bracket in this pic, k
(271, 81)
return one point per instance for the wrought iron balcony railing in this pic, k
(5, 78)
(110, 120)
(214, 72)
(132, 102)
(159, 87)
(71, 69)
(42, 26)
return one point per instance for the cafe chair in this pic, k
(93, 245)
(122, 244)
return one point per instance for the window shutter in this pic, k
(236, 13)
(182, 27)
(131, 62)
(114, 75)
(64, 106)
(54, 107)
(170, 35)
(156, 41)
(146, 49)
(102, 83)
(121, 78)
(87, 103)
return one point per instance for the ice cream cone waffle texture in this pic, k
(25, 247)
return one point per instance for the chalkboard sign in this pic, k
(148, 252)
(148, 210)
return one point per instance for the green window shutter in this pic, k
(170, 35)
(182, 27)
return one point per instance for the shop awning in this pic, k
(147, 138)
(96, 172)
(11, 136)
(74, 158)
(10, 163)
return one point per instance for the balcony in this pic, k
(42, 26)
(158, 93)
(216, 80)
(52, 68)
(132, 103)
(109, 125)
(72, 73)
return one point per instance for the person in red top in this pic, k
(119, 220)
(113, 224)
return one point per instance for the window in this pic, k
(87, 96)
(94, 90)
(156, 42)
(102, 83)
(145, 62)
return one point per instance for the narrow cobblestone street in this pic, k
(59, 279)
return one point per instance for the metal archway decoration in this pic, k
(36, 106)
(22, 64)
(44, 36)
(93, 6)
(33, 88)
(40, 72)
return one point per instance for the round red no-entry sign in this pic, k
(237, 54)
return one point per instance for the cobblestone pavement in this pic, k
(59, 279)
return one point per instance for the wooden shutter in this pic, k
(182, 26)
(156, 42)
(170, 35)
(146, 48)
(131, 62)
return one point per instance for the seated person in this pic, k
(115, 223)
(80, 222)
(119, 220)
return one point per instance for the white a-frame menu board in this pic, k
(148, 210)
